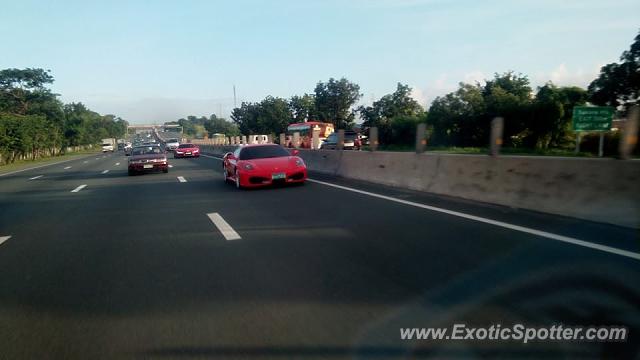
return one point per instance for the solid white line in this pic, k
(36, 177)
(4, 238)
(37, 167)
(67, 168)
(182, 179)
(505, 225)
(106, 171)
(224, 227)
(117, 164)
(79, 188)
(211, 157)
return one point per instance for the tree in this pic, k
(334, 100)
(20, 87)
(551, 115)
(619, 83)
(459, 118)
(509, 96)
(393, 114)
(216, 125)
(303, 107)
(270, 116)
(246, 117)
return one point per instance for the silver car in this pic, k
(171, 144)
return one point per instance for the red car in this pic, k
(148, 158)
(262, 165)
(186, 150)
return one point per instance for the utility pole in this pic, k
(235, 104)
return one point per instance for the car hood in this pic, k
(273, 164)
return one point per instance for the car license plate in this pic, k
(188, 153)
(147, 166)
(277, 176)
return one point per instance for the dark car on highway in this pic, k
(352, 141)
(147, 159)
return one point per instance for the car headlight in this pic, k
(247, 166)
(178, 152)
(299, 162)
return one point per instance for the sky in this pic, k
(156, 61)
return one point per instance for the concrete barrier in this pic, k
(603, 190)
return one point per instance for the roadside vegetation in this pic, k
(34, 123)
(537, 121)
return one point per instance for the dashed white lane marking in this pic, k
(37, 167)
(4, 238)
(170, 166)
(36, 177)
(182, 179)
(117, 164)
(84, 162)
(67, 167)
(79, 188)
(106, 171)
(97, 158)
(224, 227)
(505, 225)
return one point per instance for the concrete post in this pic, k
(296, 139)
(283, 139)
(315, 138)
(421, 138)
(373, 138)
(244, 140)
(629, 138)
(340, 144)
(497, 128)
(270, 139)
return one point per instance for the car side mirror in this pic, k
(295, 152)
(228, 155)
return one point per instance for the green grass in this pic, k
(23, 164)
(483, 151)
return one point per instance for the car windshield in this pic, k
(262, 152)
(147, 150)
(185, 146)
(172, 140)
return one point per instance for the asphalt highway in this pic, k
(96, 264)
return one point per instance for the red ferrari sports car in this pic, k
(186, 150)
(262, 165)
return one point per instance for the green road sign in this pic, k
(592, 118)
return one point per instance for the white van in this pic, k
(258, 139)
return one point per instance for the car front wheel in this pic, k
(237, 176)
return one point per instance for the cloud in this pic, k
(564, 76)
(438, 87)
(475, 76)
